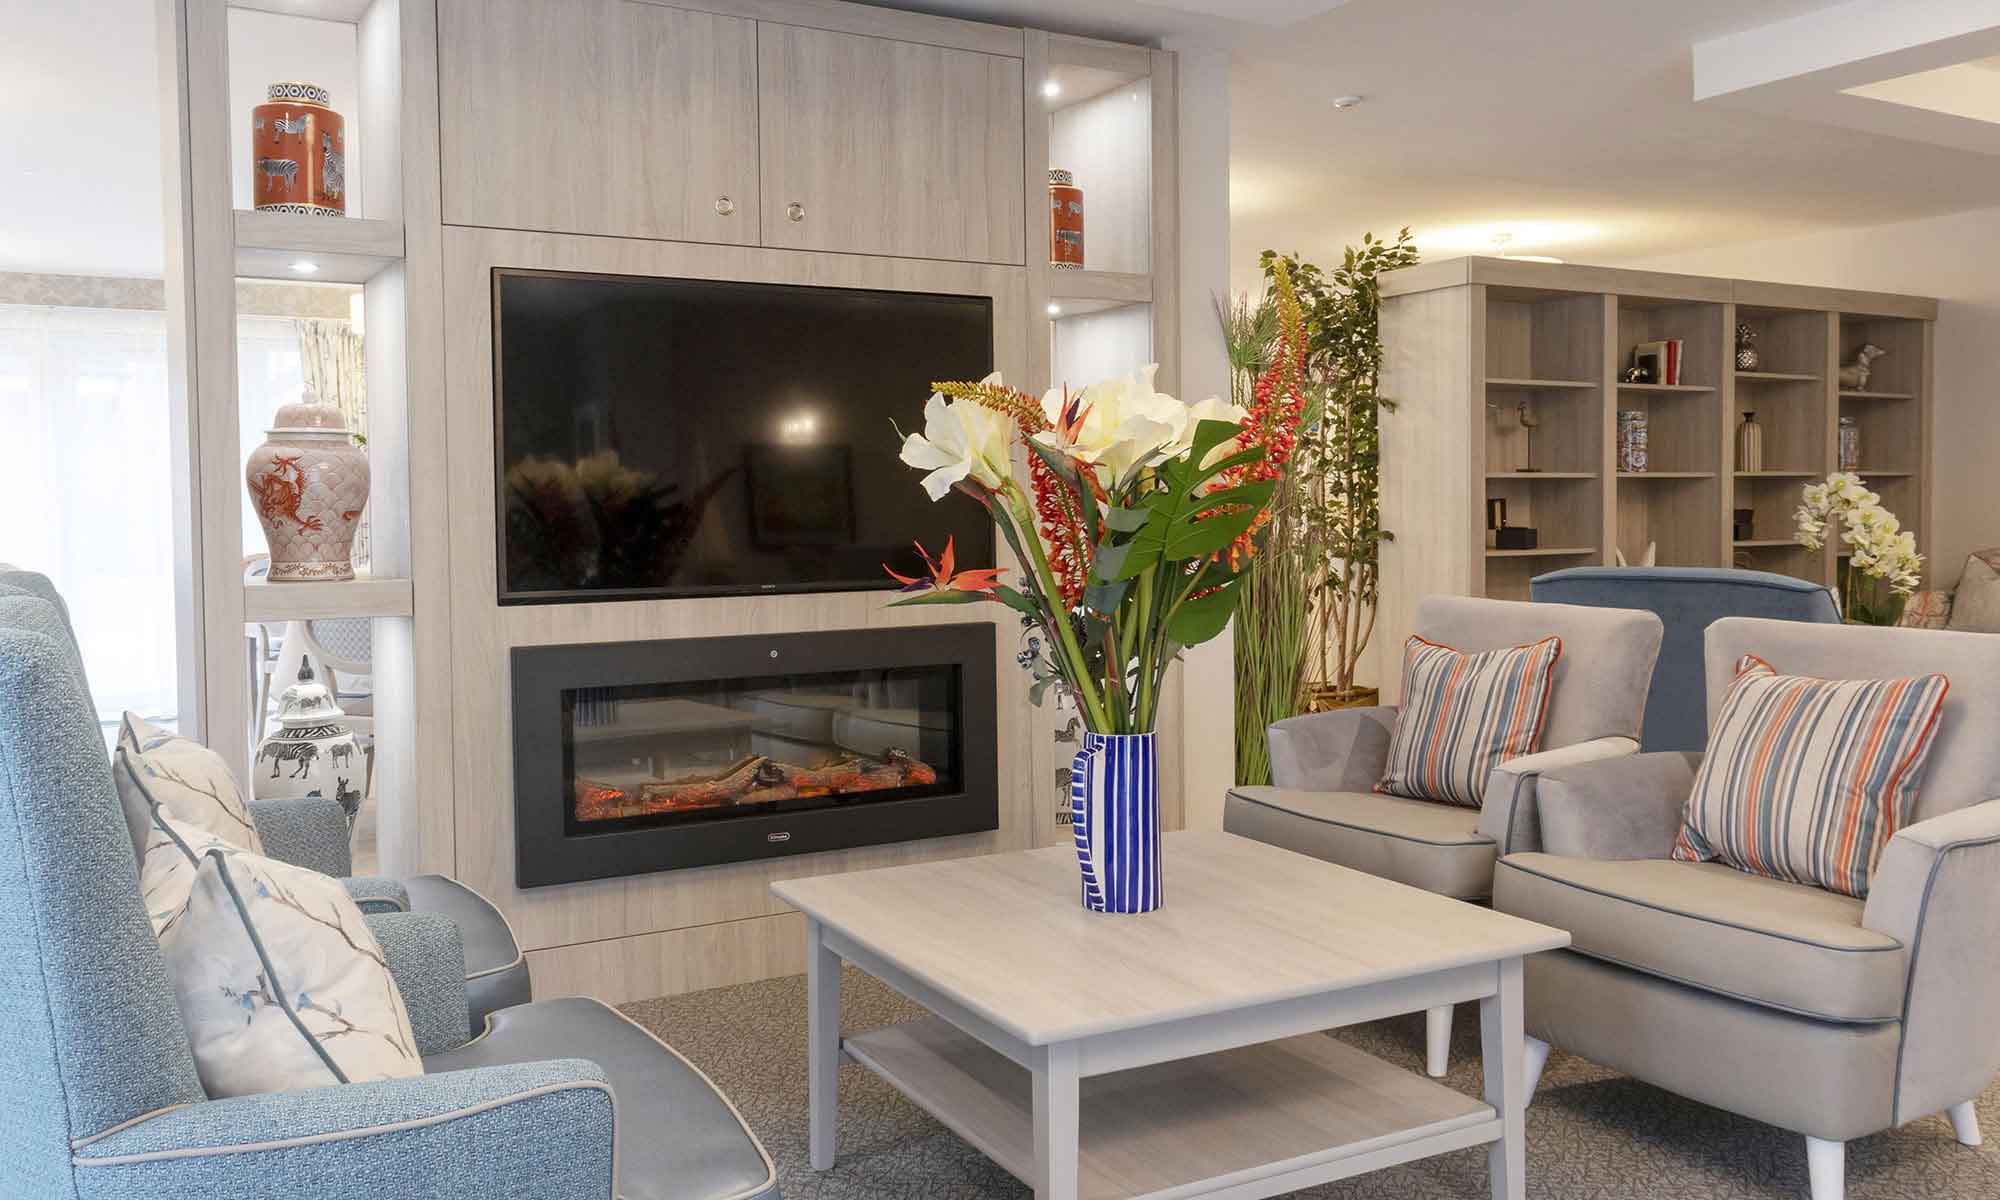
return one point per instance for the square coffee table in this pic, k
(1178, 1053)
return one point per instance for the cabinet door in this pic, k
(611, 117)
(873, 146)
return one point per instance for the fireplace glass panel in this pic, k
(671, 753)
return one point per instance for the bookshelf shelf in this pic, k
(340, 249)
(1866, 473)
(363, 597)
(1669, 389)
(1877, 396)
(1750, 543)
(1531, 476)
(1666, 474)
(1536, 385)
(1775, 377)
(1545, 552)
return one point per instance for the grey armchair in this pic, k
(313, 833)
(556, 1101)
(1324, 766)
(1816, 1012)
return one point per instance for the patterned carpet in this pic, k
(1592, 1135)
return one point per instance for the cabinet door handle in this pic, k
(724, 206)
(796, 211)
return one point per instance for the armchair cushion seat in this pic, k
(496, 973)
(1786, 946)
(1426, 844)
(678, 1137)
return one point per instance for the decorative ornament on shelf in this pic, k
(1747, 356)
(1854, 376)
(1850, 444)
(1137, 525)
(1650, 558)
(1634, 441)
(1749, 444)
(1883, 567)
(1065, 221)
(308, 484)
(313, 752)
(298, 152)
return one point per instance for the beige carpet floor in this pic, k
(1592, 1134)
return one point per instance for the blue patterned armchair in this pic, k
(100, 1098)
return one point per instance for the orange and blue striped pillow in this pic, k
(1465, 714)
(1806, 780)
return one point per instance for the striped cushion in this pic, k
(1806, 780)
(1465, 714)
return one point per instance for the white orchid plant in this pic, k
(1880, 549)
(1135, 526)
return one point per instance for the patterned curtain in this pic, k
(330, 352)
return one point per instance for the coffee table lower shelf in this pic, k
(1255, 1121)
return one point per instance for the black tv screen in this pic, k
(684, 437)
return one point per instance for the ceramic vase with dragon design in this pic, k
(308, 484)
(298, 155)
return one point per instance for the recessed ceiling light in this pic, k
(305, 266)
(1347, 101)
(1055, 310)
(1051, 88)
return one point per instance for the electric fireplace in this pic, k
(632, 757)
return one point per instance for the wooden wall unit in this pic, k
(658, 138)
(1469, 341)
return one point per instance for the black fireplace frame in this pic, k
(547, 853)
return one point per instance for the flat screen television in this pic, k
(687, 437)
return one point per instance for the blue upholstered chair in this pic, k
(313, 832)
(99, 1097)
(1687, 600)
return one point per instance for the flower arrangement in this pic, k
(1136, 526)
(1881, 550)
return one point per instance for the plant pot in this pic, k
(1114, 805)
(1326, 699)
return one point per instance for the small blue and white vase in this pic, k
(1114, 809)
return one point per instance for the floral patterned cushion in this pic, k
(154, 766)
(279, 979)
(1927, 610)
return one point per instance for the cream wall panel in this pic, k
(483, 632)
(872, 146)
(622, 970)
(600, 117)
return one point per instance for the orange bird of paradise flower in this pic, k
(946, 584)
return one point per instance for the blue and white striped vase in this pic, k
(1114, 810)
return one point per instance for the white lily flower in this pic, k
(1118, 423)
(961, 439)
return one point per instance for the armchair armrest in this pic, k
(1343, 750)
(1936, 889)
(426, 957)
(542, 1129)
(374, 894)
(1623, 808)
(310, 833)
(1509, 811)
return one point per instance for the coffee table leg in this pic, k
(1504, 1046)
(1058, 1119)
(822, 1046)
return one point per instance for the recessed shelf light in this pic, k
(1347, 101)
(305, 266)
(1055, 310)
(1051, 88)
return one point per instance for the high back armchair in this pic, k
(1687, 600)
(100, 1098)
(1818, 1012)
(1324, 766)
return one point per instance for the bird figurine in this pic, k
(1854, 376)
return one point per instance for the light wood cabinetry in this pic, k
(873, 146)
(1514, 370)
(599, 116)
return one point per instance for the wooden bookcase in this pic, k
(1474, 345)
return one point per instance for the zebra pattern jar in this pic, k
(313, 751)
(298, 152)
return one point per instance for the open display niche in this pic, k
(1891, 415)
(1674, 503)
(1789, 395)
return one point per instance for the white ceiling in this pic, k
(1569, 123)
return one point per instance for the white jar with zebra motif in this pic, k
(313, 752)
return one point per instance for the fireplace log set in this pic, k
(754, 779)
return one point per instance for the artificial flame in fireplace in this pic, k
(753, 779)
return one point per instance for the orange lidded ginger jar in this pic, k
(1065, 221)
(298, 152)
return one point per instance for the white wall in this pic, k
(1957, 259)
(1208, 672)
